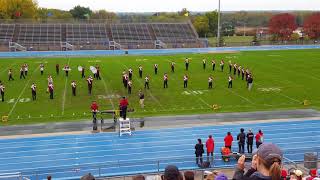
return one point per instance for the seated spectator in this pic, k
(138, 177)
(171, 172)
(221, 176)
(225, 152)
(87, 177)
(284, 174)
(312, 174)
(208, 175)
(265, 165)
(296, 175)
(188, 175)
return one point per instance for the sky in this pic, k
(177, 5)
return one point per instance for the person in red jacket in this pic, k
(94, 109)
(123, 107)
(228, 140)
(210, 147)
(259, 138)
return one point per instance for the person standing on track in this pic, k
(155, 69)
(140, 71)
(10, 74)
(94, 109)
(34, 91)
(199, 152)
(74, 88)
(228, 139)
(146, 82)
(241, 140)
(2, 88)
(210, 81)
(210, 148)
(250, 137)
(165, 80)
(259, 138)
(90, 83)
(185, 81)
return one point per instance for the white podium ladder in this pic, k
(124, 126)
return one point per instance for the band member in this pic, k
(74, 87)
(41, 68)
(50, 80)
(146, 82)
(90, 83)
(210, 81)
(239, 70)
(230, 67)
(50, 89)
(250, 82)
(247, 72)
(140, 71)
(185, 81)
(34, 91)
(165, 80)
(172, 66)
(235, 68)
(2, 91)
(125, 80)
(187, 63)
(204, 62)
(129, 86)
(10, 75)
(57, 69)
(222, 65)
(155, 68)
(82, 72)
(243, 73)
(213, 62)
(22, 72)
(67, 69)
(230, 82)
(26, 69)
(94, 109)
(130, 71)
(98, 73)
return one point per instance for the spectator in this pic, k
(259, 138)
(296, 175)
(199, 152)
(49, 177)
(284, 174)
(138, 177)
(94, 110)
(241, 138)
(250, 137)
(228, 140)
(221, 176)
(87, 177)
(225, 152)
(123, 107)
(312, 174)
(266, 164)
(210, 148)
(188, 175)
(172, 173)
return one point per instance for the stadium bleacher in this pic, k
(91, 36)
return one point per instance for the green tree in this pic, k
(15, 9)
(213, 22)
(80, 12)
(201, 24)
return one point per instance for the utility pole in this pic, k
(218, 33)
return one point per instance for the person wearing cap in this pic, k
(259, 138)
(241, 138)
(210, 147)
(296, 175)
(250, 137)
(199, 152)
(266, 164)
(171, 172)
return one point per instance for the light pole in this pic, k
(218, 33)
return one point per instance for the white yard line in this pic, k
(25, 86)
(107, 92)
(65, 92)
(246, 99)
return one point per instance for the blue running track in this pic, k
(72, 156)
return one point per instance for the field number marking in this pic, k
(272, 89)
(22, 100)
(197, 92)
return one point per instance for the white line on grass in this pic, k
(246, 99)
(107, 92)
(64, 92)
(25, 86)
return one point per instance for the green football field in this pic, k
(282, 80)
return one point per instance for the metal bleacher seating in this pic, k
(48, 37)
(132, 35)
(87, 36)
